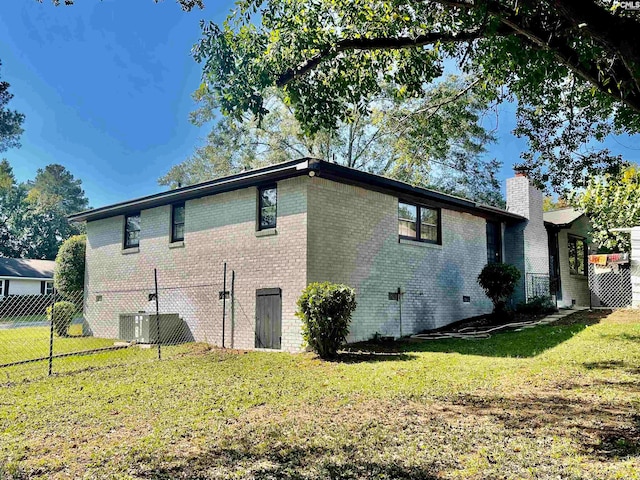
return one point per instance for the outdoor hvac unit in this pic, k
(143, 328)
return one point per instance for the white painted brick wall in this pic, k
(574, 287)
(353, 239)
(526, 244)
(218, 228)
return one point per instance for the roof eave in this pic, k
(233, 182)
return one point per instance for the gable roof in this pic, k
(562, 218)
(26, 268)
(294, 168)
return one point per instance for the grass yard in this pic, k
(550, 402)
(33, 342)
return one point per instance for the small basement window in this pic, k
(132, 230)
(177, 222)
(418, 222)
(267, 207)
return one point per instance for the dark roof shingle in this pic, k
(26, 268)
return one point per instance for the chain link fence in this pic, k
(610, 285)
(55, 333)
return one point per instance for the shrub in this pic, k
(537, 305)
(69, 271)
(325, 310)
(498, 280)
(63, 313)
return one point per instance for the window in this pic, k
(132, 230)
(177, 222)
(267, 207)
(48, 288)
(494, 242)
(1, 287)
(419, 223)
(577, 255)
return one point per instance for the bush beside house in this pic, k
(498, 280)
(325, 310)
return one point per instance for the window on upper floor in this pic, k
(267, 207)
(420, 223)
(132, 230)
(494, 242)
(577, 255)
(177, 222)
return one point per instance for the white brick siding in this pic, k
(526, 243)
(574, 287)
(353, 239)
(219, 228)
(326, 231)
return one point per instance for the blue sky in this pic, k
(106, 88)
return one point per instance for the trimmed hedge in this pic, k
(498, 280)
(325, 310)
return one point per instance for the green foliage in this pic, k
(54, 186)
(62, 315)
(10, 121)
(537, 305)
(498, 280)
(573, 87)
(70, 265)
(611, 201)
(437, 141)
(325, 310)
(549, 204)
(33, 215)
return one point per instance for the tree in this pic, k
(56, 186)
(10, 120)
(549, 204)
(34, 224)
(611, 202)
(573, 66)
(437, 141)
(70, 265)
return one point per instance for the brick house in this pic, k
(281, 227)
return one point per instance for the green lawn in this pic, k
(23, 319)
(550, 402)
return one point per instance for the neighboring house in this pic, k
(569, 248)
(284, 226)
(21, 276)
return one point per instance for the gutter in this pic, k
(305, 166)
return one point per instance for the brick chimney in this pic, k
(526, 243)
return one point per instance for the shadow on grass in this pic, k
(604, 430)
(613, 365)
(369, 356)
(523, 344)
(292, 463)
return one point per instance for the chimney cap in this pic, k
(522, 170)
